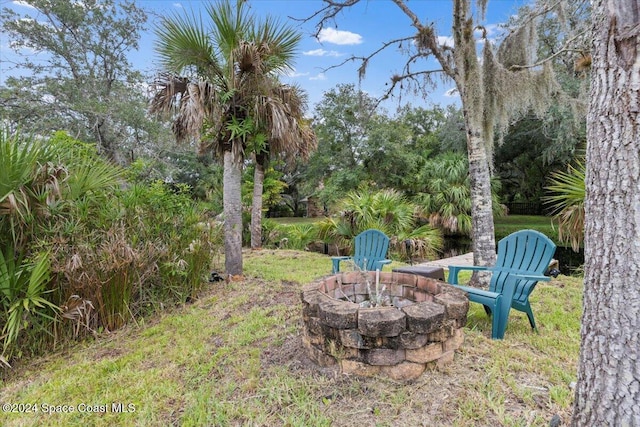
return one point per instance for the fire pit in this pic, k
(397, 328)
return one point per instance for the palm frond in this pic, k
(279, 40)
(183, 42)
(189, 102)
(230, 25)
(567, 194)
(18, 160)
(91, 176)
(567, 188)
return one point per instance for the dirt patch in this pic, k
(292, 355)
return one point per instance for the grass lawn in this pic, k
(503, 225)
(512, 223)
(296, 220)
(234, 357)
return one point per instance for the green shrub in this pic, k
(388, 211)
(444, 193)
(83, 251)
(298, 236)
(273, 233)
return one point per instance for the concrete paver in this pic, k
(464, 259)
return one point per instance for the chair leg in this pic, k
(487, 310)
(532, 321)
(503, 306)
(336, 265)
(497, 330)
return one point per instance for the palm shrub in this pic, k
(150, 246)
(82, 251)
(92, 261)
(272, 233)
(444, 192)
(298, 236)
(388, 211)
(22, 289)
(566, 196)
(35, 194)
(29, 185)
(288, 236)
(185, 238)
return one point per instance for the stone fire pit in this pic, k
(421, 328)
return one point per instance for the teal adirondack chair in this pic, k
(370, 252)
(523, 258)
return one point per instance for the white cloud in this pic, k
(492, 31)
(322, 52)
(293, 73)
(177, 5)
(331, 35)
(446, 41)
(452, 93)
(23, 3)
(320, 76)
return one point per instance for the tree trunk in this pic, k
(483, 233)
(256, 207)
(232, 209)
(608, 388)
(470, 86)
(105, 144)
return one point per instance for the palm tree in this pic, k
(386, 210)
(445, 193)
(221, 76)
(296, 139)
(567, 193)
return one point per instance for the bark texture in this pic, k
(468, 80)
(232, 208)
(256, 207)
(608, 389)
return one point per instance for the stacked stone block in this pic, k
(423, 328)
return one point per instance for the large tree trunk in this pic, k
(470, 85)
(232, 209)
(256, 207)
(608, 389)
(483, 233)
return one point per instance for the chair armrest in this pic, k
(379, 265)
(531, 277)
(455, 269)
(477, 291)
(480, 295)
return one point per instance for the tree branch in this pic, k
(562, 50)
(427, 37)
(395, 80)
(366, 59)
(330, 11)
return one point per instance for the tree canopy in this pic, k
(79, 79)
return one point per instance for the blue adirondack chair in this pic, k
(370, 252)
(523, 258)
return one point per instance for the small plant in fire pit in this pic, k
(378, 296)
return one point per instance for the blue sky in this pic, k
(358, 31)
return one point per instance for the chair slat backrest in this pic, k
(370, 245)
(525, 251)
